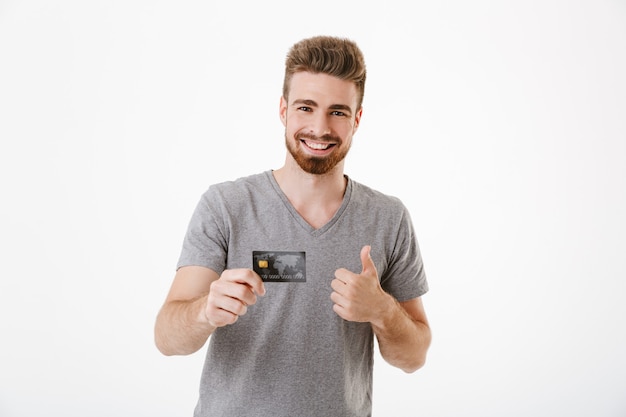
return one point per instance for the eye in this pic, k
(304, 108)
(338, 113)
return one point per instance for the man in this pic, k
(292, 272)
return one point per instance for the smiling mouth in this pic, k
(317, 145)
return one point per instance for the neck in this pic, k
(315, 197)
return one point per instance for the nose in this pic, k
(320, 125)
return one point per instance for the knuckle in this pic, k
(242, 310)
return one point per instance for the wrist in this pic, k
(386, 313)
(201, 316)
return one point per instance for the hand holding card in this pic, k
(230, 296)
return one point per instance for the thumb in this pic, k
(367, 261)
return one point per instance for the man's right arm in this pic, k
(199, 301)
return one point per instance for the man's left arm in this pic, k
(404, 334)
(401, 328)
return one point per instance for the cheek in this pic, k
(346, 129)
(294, 124)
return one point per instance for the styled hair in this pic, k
(330, 55)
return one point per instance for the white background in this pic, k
(500, 124)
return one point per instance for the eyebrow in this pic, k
(312, 103)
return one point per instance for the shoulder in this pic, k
(240, 188)
(365, 195)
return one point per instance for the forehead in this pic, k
(322, 88)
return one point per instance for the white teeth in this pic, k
(318, 146)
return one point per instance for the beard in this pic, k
(314, 164)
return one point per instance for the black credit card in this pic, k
(277, 266)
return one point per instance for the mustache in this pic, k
(323, 138)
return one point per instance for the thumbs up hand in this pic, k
(359, 297)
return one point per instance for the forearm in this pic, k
(180, 329)
(403, 341)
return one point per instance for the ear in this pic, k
(357, 119)
(283, 110)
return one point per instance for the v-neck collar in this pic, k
(299, 219)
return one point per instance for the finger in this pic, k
(232, 305)
(247, 277)
(344, 275)
(339, 310)
(339, 303)
(219, 318)
(222, 310)
(338, 285)
(240, 292)
(257, 284)
(343, 312)
(367, 261)
(336, 298)
(232, 289)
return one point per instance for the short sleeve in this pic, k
(405, 277)
(205, 243)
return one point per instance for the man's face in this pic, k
(320, 118)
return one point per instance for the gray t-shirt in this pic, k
(291, 354)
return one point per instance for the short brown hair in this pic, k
(330, 55)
